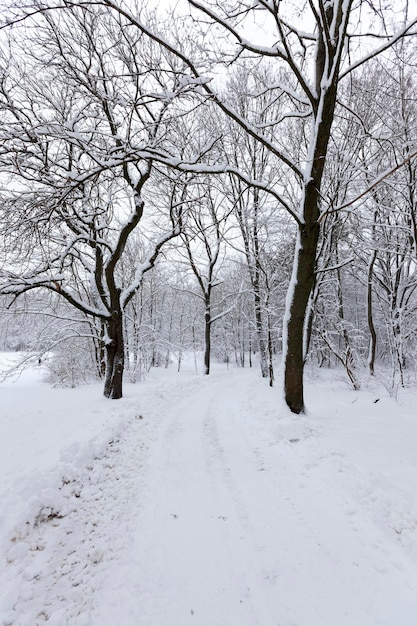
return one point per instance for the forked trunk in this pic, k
(113, 384)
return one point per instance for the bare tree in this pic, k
(203, 236)
(311, 66)
(314, 63)
(385, 243)
(83, 109)
(254, 210)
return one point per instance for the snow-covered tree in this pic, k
(303, 69)
(314, 61)
(85, 104)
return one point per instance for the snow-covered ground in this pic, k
(198, 501)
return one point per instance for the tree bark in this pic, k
(270, 355)
(113, 384)
(256, 284)
(260, 326)
(370, 316)
(297, 300)
(207, 336)
(302, 282)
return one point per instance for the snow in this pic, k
(200, 501)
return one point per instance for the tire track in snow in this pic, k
(306, 540)
(199, 562)
(224, 521)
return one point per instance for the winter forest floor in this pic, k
(198, 501)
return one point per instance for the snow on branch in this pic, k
(18, 285)
(334, 267)
(376, 182)
(388, 44)
(274, 51)
(203, 86)
(147, 265)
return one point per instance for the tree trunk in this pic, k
(99, 352)
(256, 283)
(270, 355)
(346, 350)
(398, 340)
(301, 285)
(113, 384)
(302, 281)
(207, 337)
(370, 316)
(260, 329)
(254, 266)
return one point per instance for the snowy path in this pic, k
(241, 531)
(210, 511)
(200, 552)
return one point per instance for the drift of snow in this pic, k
(198, 501)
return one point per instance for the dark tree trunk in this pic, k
(207, 337)
(298, 297)
(113, 384)
(254, 266)
(270, 355)
(260, 328)
(302, 282)
(99, 352)
(347, 352)
(256, 283)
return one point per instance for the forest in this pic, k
(208, 213)
(235, 181)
